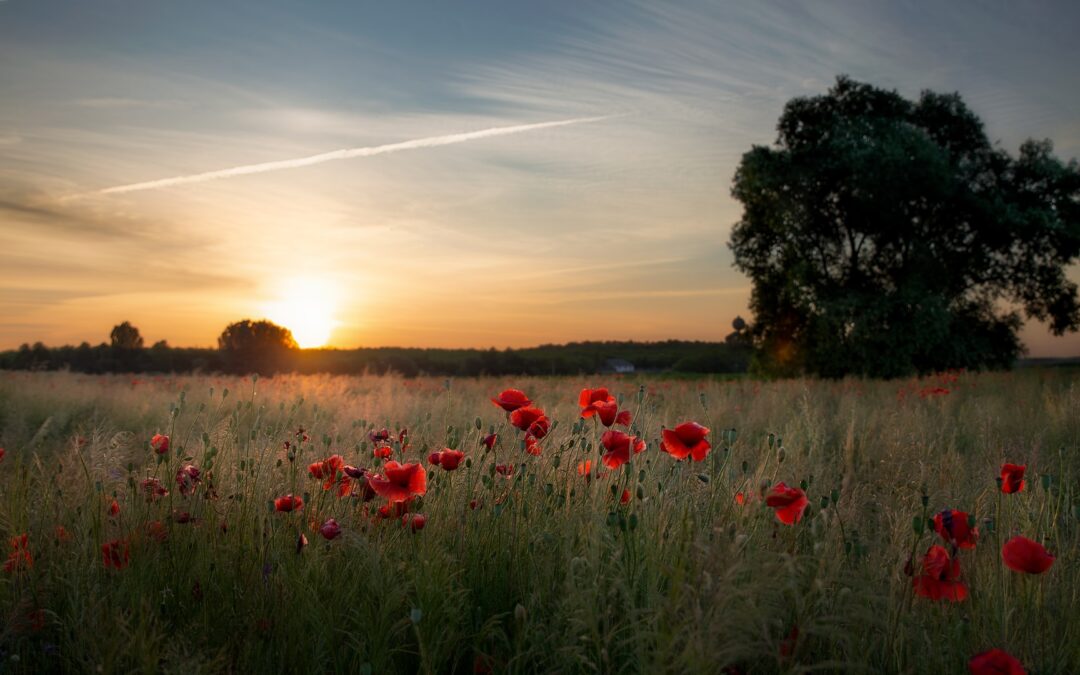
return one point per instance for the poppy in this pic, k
(288, 503)
(327, 470)
(451, 459)
(379, 436)
(155, 529)
(788, 502)
(1012, 478)
(114, 509)
(187, 478)
(363, 485)
(301, 542)
(740, 498)
(585, 468)
(154, 489)
(505, 470)
(19, 558)
(354, 472)
(435, 458)
(474, 504)
(532, 446)
(1024, 555)
(590, 397)
(160, 443)
(383, 452)
(940, 577)
(414, 521)
(115, 554)
(2, 453)
(687, 439)
(953, 526)
(182, 517)
(995, 662)
(330, 529)
(489, 441)
(62, 534)
(394, 509)
(618, 446)
(511, 399)
(531, 420)
(399, 481)
(625, 498)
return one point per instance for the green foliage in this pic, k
(256, 346)
(883, 236)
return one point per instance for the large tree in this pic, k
(256, 346)
(125, 336)
(886, 236)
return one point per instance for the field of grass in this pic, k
(543, 569)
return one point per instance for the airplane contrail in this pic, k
(347, 153)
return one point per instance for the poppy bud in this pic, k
(301, 542)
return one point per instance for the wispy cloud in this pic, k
(347, 153)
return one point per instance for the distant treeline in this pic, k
(677, 356)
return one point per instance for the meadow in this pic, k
(548, 551)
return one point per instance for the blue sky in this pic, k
(608, 230)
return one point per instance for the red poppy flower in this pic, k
(1024, 555)
(995, 662)
(114, 509)
(1012, 478)
(451, 459)
(434, 458)
(383, 452)
(940, 577)
(952, 526)
(414, 521)
(788, 502)
(160, 443)
(686, 439)
(609, 413)
(330, 529)
(740, 498)
(532, 446)
(585, 468)
(301, 542)
(379, 436)
(625, 498)
(288, 503)
(187, 478)
(400, 481)
(327, 470)
(531, 420)
(511, 399)
(19, 558)
(363, 485)
(505, 470)
(590, 397)
(618, 446)
(115, 554)
(489, 440)
(154, 489)
(393, 509)
(2, 453)
(62, 534)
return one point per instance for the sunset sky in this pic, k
(612, 228)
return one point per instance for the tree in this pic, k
(256, 346)
(885, 236)
(125, 336)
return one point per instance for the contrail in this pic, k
(347, 153)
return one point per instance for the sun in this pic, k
(306, 307)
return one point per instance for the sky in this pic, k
(600, 229)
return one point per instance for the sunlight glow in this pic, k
(306, 307)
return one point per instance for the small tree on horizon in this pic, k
(257, 346)
(885, 237)
(125, 336)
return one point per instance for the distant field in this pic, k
(534, 567)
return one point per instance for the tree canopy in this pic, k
(256, 346)
(125, 336)
(885, 236)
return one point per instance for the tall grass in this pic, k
(549, 572)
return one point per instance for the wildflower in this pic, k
(327, 470)
(531, 420)
(301, 542)
(450, 459)
(400, 481)
(330, 529)
(160, 443)
(61, 534)
(379, 436)
(1024, 555)
(488, 441)
(288, 503)
(435, 458)
(2, 453)
(511, 399)
(1012, 478)
(504, 470)
(532, 446)
(156, 530)
(114, 509)
(115, 554)
(363, 485)
(585, 468)
(394, 509)
(940, 577)
(19, 558)
(740, 498)
(789, 503)
(182, 517)
(687, 439)
(625, 498)
(618, 446)
(995, 662)
(187, 479)
(590, 397)
(414, 521)
(602, 404)
(154, 489)
(383, 452)
(953, 526)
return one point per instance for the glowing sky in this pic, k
(613, 229)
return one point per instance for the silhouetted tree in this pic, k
(885, 236)
(257, 347)
(125, 336)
